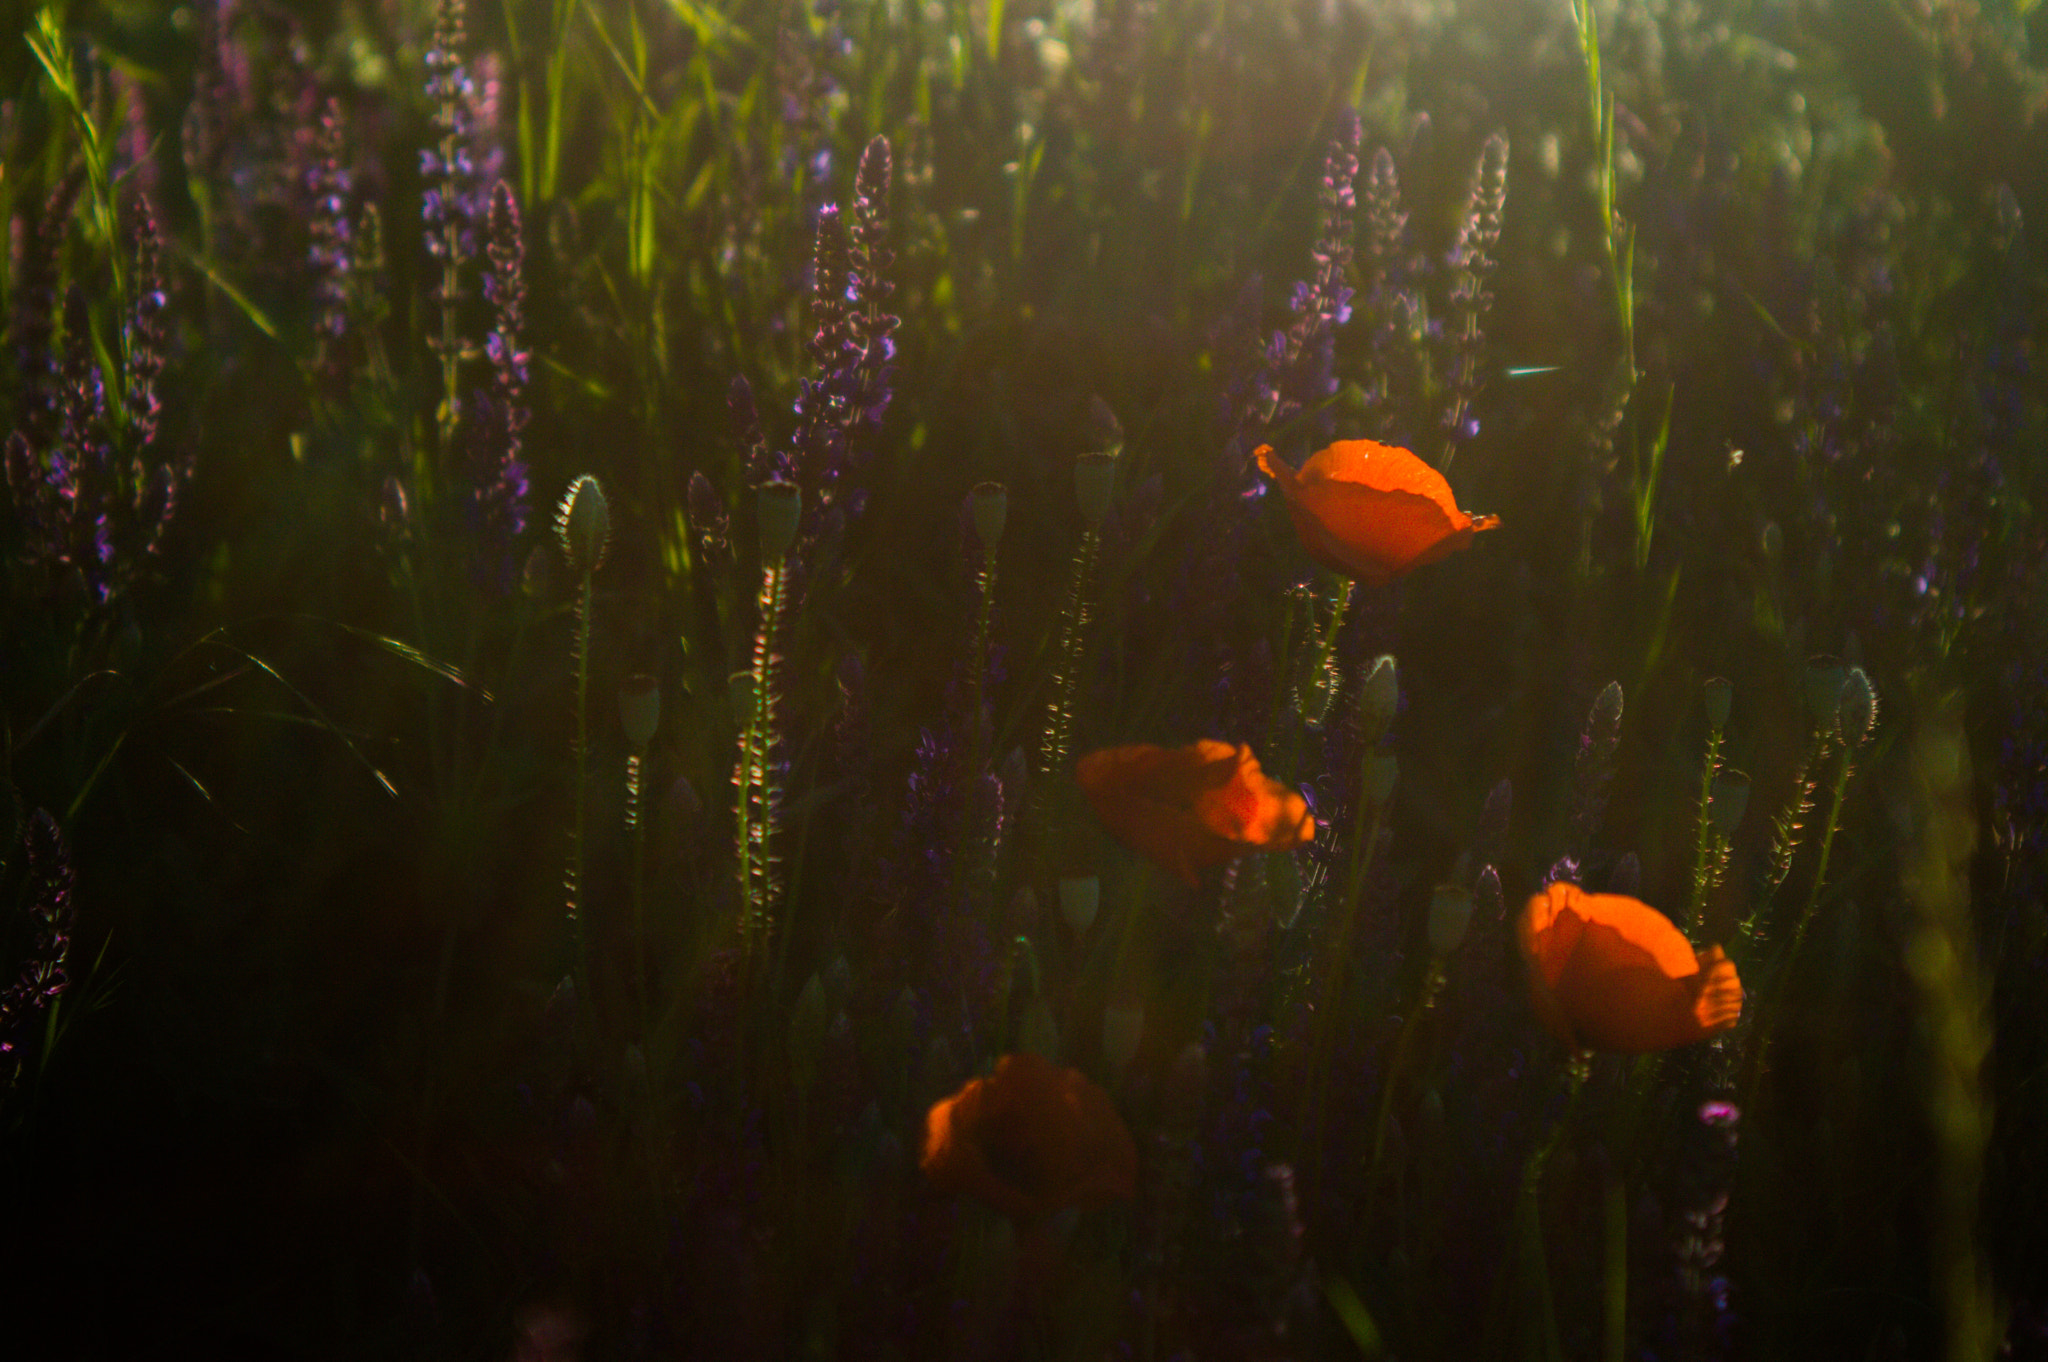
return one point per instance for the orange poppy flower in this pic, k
(1189, 808)
(1030, 1140)
(1372, 511)
(1608, 972)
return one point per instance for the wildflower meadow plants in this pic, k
(1015, 812)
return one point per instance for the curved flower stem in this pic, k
(1843, 770)
(760, 797)
(1703, 835)
(636, 825)
(576, 837)
(1056, 743)
(1781, 971)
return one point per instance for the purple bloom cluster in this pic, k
(852, 344)
(1470, 262)
(495, 416)
(328, 186)
(1391, 304)
(1295, 367)
(77, 498)
(42, 976)
(467, 161)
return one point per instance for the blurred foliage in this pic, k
(323, 1093)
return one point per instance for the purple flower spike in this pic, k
(497, 414)
(43, 976)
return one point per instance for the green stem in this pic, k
(576, 906)
(636, 824)
(1703, 834)
(1820, 873)
(760, 797)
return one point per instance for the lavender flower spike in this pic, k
(867, 290)
(43, 976)
(1471, 260)
(497, 414)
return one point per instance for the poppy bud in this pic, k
(1729, 800)
(989, 506)
(1079, 898)
(584, 523)
(1856, 715)
(777, 507)
(1824, 677)
(740, 686)
(1450, 913)
(1094, 484)
(1038, 1033)
(1380, 774)
(1379, 696)
(1122, 1027)
(1720, 697)
(640, 708)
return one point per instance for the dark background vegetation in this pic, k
(308, 1095)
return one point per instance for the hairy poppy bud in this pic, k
(777, 506)
(1094, 484)
(1728, 802)
(1856, 714)
(1379, 697)
(1720, 697)
(989, 506)
(1079, 898)
(1824, 677)
(640, 708)
(584, 522)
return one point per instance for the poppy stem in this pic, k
(1703, 834)
(1759, 1048)
(576, 839)
(636, 827)
(1843, 771)
(1056, 743)
(1787, 830)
